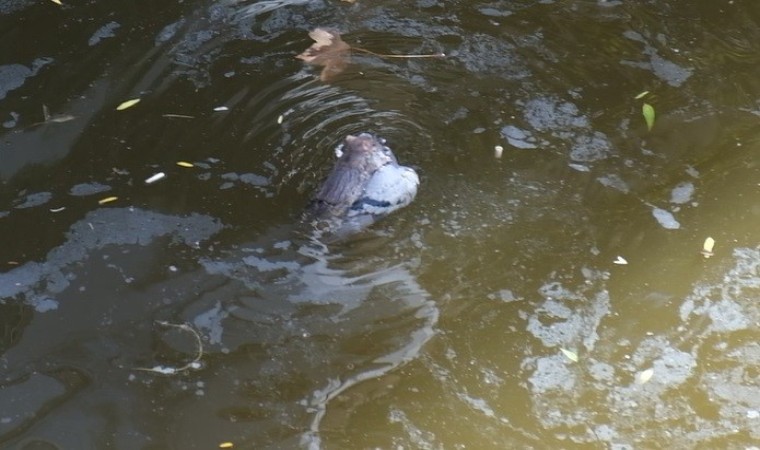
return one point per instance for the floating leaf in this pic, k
(641, 95)
(103, 201)
(155, 177)
(221, 108)
(648, 111)
(226, 445)
(644, 376)
(127, 104)
(329, 51)
(279, 120)
(184, 164)
(177, 116)
(55, 210)
(620, 261)
(57, 2)
(707, 247)
(572, 356)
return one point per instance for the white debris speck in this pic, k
(155, 177)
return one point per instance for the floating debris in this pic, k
(644, 376)
(103, 201)
(579, 167)
(57, 2)
(279, 120)
(572, 356)
(707, 247)
(497, 151)
(194, 364)
(641, 95)
(127, 104)
(221, 108)
(177, 116)
(58, 118)
(185, 164)
(620, 261)
(56, 210)
(226, 445)
(155, 177)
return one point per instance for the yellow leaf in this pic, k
(184, 164)
(57, 2)
(127, 104)
(648, 111)
(103, 201)
(570, 355)
(226, 445)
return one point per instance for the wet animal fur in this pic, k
(362, 156)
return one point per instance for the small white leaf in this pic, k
(707, 247)
(620, 261)
(641, 95)
(572, 356)
(644, 376)
(221, 108)
(154, 178)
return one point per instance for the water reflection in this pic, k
(509, 261)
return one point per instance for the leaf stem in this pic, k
(383, 55)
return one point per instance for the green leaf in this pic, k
(648, 111)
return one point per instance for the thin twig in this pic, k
(168, 370)
(383, 55)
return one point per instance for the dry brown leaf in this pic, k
(329, 51)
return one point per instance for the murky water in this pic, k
(555, 297)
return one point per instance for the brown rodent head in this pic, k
(361, 156)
